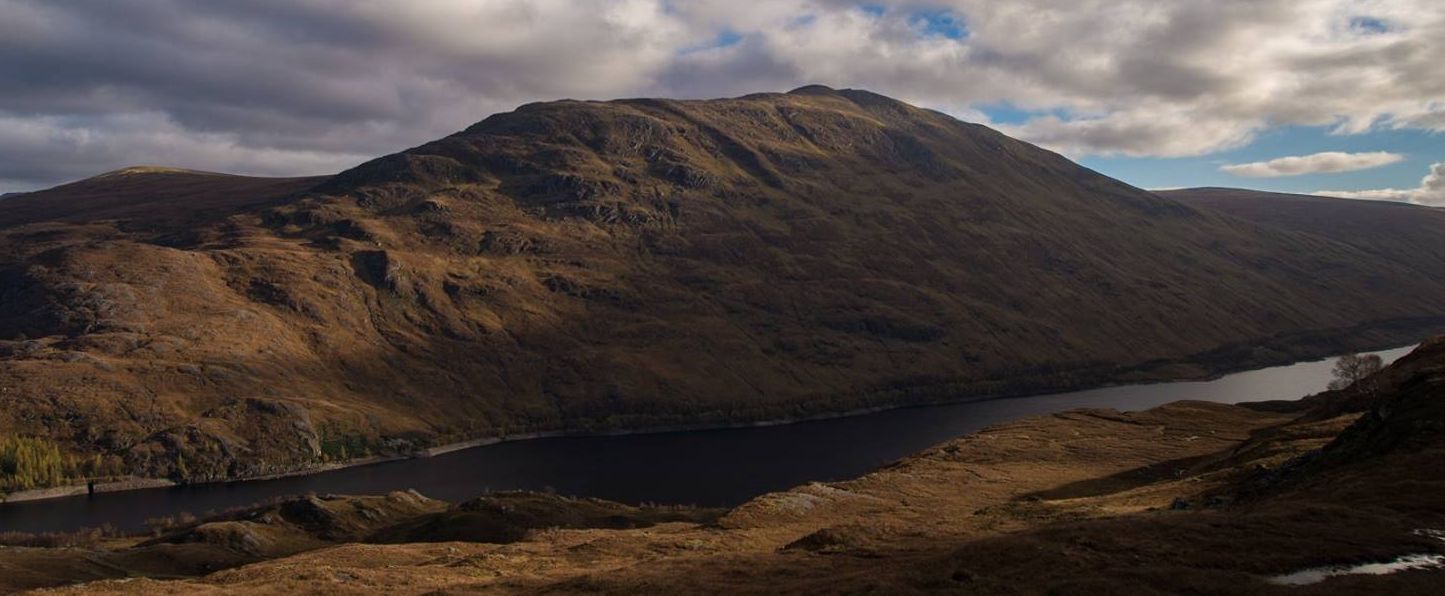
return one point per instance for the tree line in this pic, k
(31, 462)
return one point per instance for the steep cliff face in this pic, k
(610, 265)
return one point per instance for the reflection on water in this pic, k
(715, 468)
(1319, 574)
(1316, 575)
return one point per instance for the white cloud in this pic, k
(1318, 163)
(1141, 132)
(1430, 192)
(363, 77)
(50, 148)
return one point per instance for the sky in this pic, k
(1343, 97)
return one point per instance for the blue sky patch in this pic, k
(941, 23)
(932, 23)
(1007, 113)
(725, 38)
(1369, 25)
(1420, 149)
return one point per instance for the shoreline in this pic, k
(137, 483)
(1210, 376)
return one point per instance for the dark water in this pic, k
(717, 467)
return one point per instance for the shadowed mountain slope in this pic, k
(1411, 234)
(644, 263)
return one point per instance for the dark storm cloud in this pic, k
(289, 87)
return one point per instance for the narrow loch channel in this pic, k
(713, 467)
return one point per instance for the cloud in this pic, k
(294, 87)
(289, 86)
(47, 149)
(1137, 133)
(1430, 192)
(1328, 162)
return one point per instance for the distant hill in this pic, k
(1413, 234)
(605, 266)
(148, 195)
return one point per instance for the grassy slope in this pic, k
(586, 265)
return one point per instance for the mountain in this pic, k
(154, 197)
(604, 266)
(1411, 234)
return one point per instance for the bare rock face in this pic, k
(610, 265)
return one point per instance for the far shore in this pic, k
(138, 483)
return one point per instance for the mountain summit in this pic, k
(588, 266)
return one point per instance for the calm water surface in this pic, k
(716, 467)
